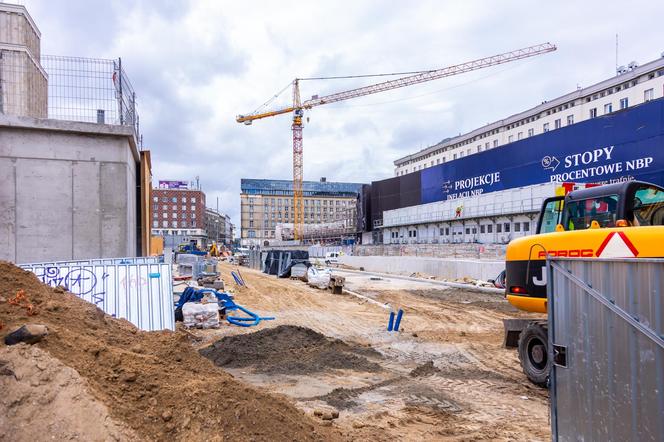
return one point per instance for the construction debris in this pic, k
(29, 333)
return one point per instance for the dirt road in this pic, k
(444, 376)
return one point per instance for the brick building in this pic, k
(178, 210)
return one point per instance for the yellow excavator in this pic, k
(622, 220)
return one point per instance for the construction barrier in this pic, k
(606, 341)
(141, 293)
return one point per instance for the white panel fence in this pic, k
(139, 290)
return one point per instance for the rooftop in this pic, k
(310, 188)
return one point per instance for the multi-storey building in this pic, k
(218, 227)
(632, 86)
(265, 204)
(178, 210)
(488, 185)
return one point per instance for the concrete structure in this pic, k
(440, 267)
(632, 86)
(69, 190)
(23, 81)
(496, 217)
(267, 203)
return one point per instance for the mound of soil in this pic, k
(41, 396)
(289, 349)
(153, 382)
(426, 369)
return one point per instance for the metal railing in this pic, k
(451, 214)
(67, 88)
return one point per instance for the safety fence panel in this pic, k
(606, 340)
(100, 261)
(141, 293)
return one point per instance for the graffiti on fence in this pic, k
(78, 280)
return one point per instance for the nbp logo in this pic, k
(550, 162)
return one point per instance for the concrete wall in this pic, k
(68, 190)
(440, 267)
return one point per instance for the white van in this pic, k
(332, 258)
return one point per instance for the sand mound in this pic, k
(41, 396)
(289, 349)
(155, 383)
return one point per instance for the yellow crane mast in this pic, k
(298, 107)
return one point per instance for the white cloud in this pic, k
(197, 64)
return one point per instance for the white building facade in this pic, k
(634, 85)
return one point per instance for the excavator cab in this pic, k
(627, 204)
(577, 225)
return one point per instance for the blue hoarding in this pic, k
(626, 145)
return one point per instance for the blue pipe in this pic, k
(390, 323)
(398, 321)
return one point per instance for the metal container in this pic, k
(606, 340)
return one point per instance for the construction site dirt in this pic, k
(325, 369)
(443, 376)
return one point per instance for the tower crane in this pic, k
(298, 107)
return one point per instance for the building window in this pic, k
(648, 94)
(164, 207)
(489, 228)
(155, 223)
(184, 199)
(608, 108)
(526, 226)
(517, 227)
(156, 199)
(623, 103)
(164, 224)
(495, 143)
(510, 138)
(461, 154)
(474, 230)
(519, 135)
(499, 228)
(531, 132)
(455, 156)
(507, 227)
(486, 146)
(593, 112)
(545, 128)
(174, 215)
(175, 223)
(570, 119)
(193, 208)
(251, 223)
(557, 124)
(479, 148)
(164, 215)
(193, 199)
(193, 215)
(174, 200)
(467, 230)
(175, 207)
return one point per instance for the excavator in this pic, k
(620, 220)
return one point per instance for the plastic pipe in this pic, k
(398, 321)
(390, 323)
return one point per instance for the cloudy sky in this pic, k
(196, 64)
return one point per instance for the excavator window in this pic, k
(648, 206)
(602, 209)
(551, 214)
